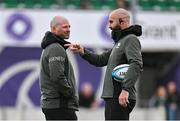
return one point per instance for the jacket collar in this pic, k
(118, 34)
(51, 38)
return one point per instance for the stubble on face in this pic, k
(61, 27)
(65, 30)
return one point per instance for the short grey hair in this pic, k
(55, 21)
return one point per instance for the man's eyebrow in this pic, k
(66, 25)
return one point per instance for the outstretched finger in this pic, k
(73, 49)
(67, 45)
(73, 45)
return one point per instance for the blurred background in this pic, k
(23, 23)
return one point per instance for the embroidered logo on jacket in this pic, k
(118, 45)
(56, 58)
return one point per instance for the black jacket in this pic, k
(127, 50)
(57, 80)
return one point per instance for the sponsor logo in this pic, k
(19, 26)
(118, 45)
(56, 58)
(19, 76)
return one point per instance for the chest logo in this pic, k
(118, 45)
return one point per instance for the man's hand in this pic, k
(76, 48)
(123, 98)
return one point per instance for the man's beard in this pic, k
(116, 34)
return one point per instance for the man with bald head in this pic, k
(120, 98)
(59, 99)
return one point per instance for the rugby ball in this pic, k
(119, 72)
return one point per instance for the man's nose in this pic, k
(68, 29)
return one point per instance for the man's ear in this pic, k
(53, 29)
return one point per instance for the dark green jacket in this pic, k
(126, 51)
(57, 81)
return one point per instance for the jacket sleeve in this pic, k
(97, 59)
(134, 58)
(57, 58)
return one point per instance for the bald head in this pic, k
(57, 20)
(120, 13)
(60, 26)
(119, 18)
